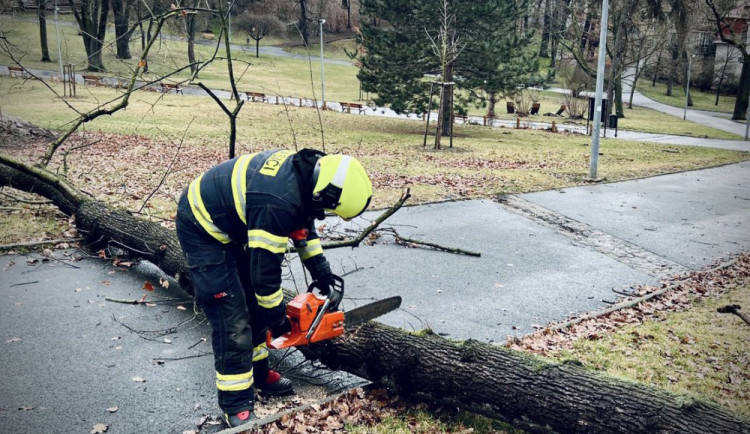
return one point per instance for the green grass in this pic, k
(701, 100)
(637, 119)
(267, 74)
(279, 76)
(698, 352)
(483, 163)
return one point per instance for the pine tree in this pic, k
(402, 52)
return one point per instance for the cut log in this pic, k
(523, 389)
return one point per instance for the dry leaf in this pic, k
(148, 286)
(25, 408)
(139, 380)
(102, 254)
(181, 307)
(167, 341)
(164, 283)
(14, 339)
(99, 428)
(113, 409)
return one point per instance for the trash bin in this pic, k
(612, 121)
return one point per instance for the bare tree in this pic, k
(732, 31)
(91, 16)
(258, 27)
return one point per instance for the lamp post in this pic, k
(687, 88)
(229, 22)
(322, 69)
(59, 50)
(594, 157)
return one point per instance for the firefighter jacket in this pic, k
(262, 200)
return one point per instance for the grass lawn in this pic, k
(701, 100)
(484, 162)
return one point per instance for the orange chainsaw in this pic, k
(316, 318)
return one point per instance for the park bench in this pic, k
(92, 80)
(559, 112)
(464, 118)
(256, 96)
(348, 106)
(167, 87)
(16, 71)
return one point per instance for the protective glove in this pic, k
(325, 282)
(281, 328)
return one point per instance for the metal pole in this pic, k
(687, 88)
(322, 69)
(229, 23)
(59, 50)
(747, 121)
(594, 157)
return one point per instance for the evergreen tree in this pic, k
(490, 50)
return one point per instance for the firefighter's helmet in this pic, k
(341, 186)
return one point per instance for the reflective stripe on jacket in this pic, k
(255, 200)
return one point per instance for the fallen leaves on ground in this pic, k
(681, 293)
(99, 428)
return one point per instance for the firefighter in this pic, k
(234, 223)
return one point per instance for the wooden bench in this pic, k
(93, 80)
(167, 87)
(535, 108)
(348, 106)
(464, 118)
(256, 96)
(16, 71)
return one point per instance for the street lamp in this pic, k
(322, 69)
(687, 89)
(229, 22)
(59, 50)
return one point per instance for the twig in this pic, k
(169, 168)
(354, 242)
(123, 301)
(38, 243)
(29, 202)
(629, 303)
(735, 309)
(24, 283)
(433, 245)
(174, 359)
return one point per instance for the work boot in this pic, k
(275, 385)
(238, 419)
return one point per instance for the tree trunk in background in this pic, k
(190, 32)
(544, 45)
(303, 21)
(41, 12)
(741, 104)
(121, 11)
(91, 16)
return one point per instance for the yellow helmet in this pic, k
(341, 186)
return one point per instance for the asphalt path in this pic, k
(69, 354)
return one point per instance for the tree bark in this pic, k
(121, 11)
(42, 15)
(522, 389)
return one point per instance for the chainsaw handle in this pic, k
(335, 291)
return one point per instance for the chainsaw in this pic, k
(316, 318)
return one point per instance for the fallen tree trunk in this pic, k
(522, 389)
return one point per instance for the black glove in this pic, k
(281, 328)
(325, 282)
